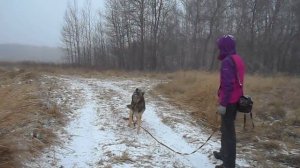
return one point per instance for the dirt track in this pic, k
(98, 136)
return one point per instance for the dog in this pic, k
(137, 108)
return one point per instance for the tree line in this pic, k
(167, 35)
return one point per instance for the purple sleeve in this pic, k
(227, 80)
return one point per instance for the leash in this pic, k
(180, 153)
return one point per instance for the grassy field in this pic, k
(26, 111)
(28, 117)
(276, 136)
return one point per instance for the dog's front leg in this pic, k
(139, 120)
(130, 121)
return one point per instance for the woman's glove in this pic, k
(221, 110)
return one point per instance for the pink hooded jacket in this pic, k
(231, 73)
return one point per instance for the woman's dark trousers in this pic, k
(228, 138)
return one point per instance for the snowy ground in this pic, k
(98, 136)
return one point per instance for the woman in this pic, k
(230, 90)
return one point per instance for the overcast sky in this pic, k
(35, 22)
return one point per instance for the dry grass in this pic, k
(27, 117)
(194, 90)
(80, 71)
(23, 117)
(270, 145)
(276, 107)
(121, 159)
(90, 72)
(287, 159)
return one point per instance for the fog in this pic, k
(35, 22)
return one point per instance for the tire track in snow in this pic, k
(152, 122)
(101, 138)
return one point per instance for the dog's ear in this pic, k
(143, 93)
(129, 106)
(137, 89)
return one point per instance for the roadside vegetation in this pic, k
(29, 113)
(275, 140)
(29, 118)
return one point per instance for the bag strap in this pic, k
(244, 121)
(237, 74)
(251, 120)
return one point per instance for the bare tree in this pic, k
(100, 53)
(86, 26)
(181, 34)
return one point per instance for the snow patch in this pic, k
(98, 136)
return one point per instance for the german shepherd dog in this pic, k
(137, 108)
